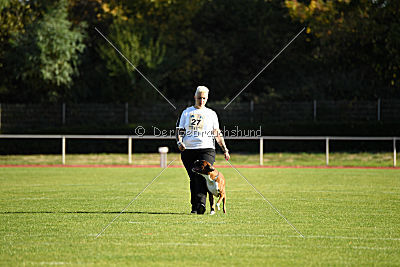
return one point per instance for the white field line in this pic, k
(205, 245)
(238, 245)
(309, 237)
(249, 245)
(175, 223)
(320, 191)
(357, 238)
(31, 198)
(269, 236)
(52, 262)
(343, 192)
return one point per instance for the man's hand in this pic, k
(181, 146)
(221, 143)
(226, 155)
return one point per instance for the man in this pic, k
(197, 130)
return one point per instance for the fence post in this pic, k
(315, 110)
(126, 113)
(261, 151)
(327, 151)
(251, 110)
(379, 109)
(130, 150)
(63, 150)
(394, 152)
(63, 113)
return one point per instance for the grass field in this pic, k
(51, 216)
(384, 159)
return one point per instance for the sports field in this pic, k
(52, 216)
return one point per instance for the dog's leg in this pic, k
(224, 204)
(212, 205)
(219, 202)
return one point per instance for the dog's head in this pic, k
(202, 167)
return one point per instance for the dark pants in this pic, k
(198, 186)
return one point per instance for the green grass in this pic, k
(270, 159)
(52, 215)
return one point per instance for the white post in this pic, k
(315, 110)
(126, 113)
(163, 156)
(130, 150)
(261, 151)
(327, 151)
(63, 150)
(63, 113)
(379, 109)
(394, 152)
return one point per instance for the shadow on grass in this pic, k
(93, 212)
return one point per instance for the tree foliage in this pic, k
(350, 49)
(45, 56)
(358, 40)
(143, 51)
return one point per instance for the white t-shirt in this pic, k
(199, 125)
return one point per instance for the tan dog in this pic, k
(215, 183)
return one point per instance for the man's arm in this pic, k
(221, 143)
(179, 133)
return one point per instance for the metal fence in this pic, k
(54, 115)
(260, 139)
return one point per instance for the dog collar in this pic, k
(217, 175)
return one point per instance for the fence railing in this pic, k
(261, 139)
(40, 115)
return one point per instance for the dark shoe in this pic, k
(201, 209)
(193, 212)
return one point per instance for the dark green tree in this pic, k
(44, 58)
(154, 36)
(14, 16)
(357, 41)
(144, 51)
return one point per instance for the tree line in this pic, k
(51, 52)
